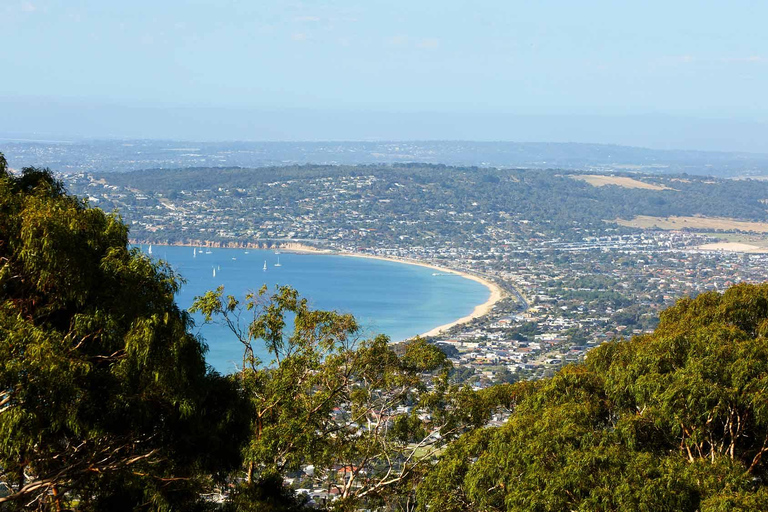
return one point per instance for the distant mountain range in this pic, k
(128, 155)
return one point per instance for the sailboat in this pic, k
(194, 252)
(278, 262)
(214, 271)
(265, 265)
(150, 249)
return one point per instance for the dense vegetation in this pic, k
(369, 417)
(675, 420)
(547, 193)
(106, 402)
(104, 393)
(430, 205)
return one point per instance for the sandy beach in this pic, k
(300, 248)
(480, 310)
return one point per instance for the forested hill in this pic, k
(463, 201)
(536, 191)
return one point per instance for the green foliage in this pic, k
(674, 420)
(369, 416)
(267, 494)
(104, 394)
(106, 402)
(406, 205)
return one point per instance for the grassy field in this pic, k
(597, 180)
(676, 223)
(733, 247)
(741, 238)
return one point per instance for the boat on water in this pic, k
(278, 262)
(214, 271)
(246, 252)
(265, 265)
(194, 252)
(149, 251)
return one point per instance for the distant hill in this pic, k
(129, 155)
(415, 204)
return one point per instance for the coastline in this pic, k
(496, 293)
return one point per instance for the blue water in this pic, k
(386, 297)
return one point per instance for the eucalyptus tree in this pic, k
(368, 416)
(674, 420)
(105, 398)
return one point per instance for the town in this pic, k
(568, 284)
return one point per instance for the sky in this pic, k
(345, 69)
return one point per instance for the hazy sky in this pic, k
(682, 58)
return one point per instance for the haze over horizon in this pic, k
(691, 75)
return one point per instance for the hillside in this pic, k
(426, 204)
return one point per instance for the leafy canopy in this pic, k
(105, 397)
(368, 417)
(675, 420)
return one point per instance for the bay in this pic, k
(386, 297)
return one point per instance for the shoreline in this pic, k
(496, 293)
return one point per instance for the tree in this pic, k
(673, 420)
(105, 397)
(369, 416)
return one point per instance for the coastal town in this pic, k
(554, 292)
(349, 256)
(548, 307)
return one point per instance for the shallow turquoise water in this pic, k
(390, 298)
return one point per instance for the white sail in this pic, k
(265, 265)
(150, 249)
(278, 262)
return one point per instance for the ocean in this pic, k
(386, 297)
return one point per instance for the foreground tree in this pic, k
(676, 420)
(367, 416)
(105, 398)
